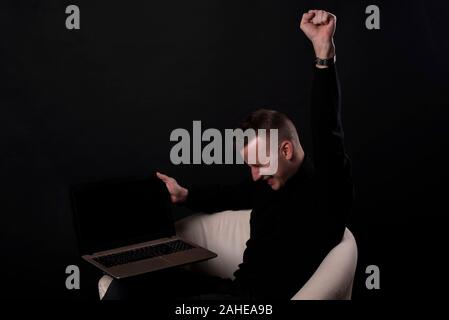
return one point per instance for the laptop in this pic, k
(125, 228)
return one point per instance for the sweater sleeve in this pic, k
(329, 154)
(332, 165)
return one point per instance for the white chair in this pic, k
(226, 233)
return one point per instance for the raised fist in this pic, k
(319, 26)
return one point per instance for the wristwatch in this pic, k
(325, 62)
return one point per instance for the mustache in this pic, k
(264, 178)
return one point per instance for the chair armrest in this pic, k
(334, 277)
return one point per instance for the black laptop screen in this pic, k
(118, 213)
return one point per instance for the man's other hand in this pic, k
(319, 26)
(178, 194)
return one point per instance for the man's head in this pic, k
(289, 153)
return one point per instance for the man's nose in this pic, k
(255, 172)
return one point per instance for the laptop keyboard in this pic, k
(151, 251)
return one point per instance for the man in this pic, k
(298, 213)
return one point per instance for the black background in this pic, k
(100, 102)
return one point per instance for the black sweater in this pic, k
(292, 229)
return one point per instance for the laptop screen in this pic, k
(118, 213)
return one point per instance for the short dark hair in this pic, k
(271, 119)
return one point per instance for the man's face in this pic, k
(260, 168)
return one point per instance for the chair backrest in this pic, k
(226, 234)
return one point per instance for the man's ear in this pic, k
(287, 150)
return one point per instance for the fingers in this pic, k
(317, 18)
(307, 18)
(163, 177)
(321, 17)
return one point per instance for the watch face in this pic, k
(325, 62)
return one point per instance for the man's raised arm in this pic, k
(327, 132)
